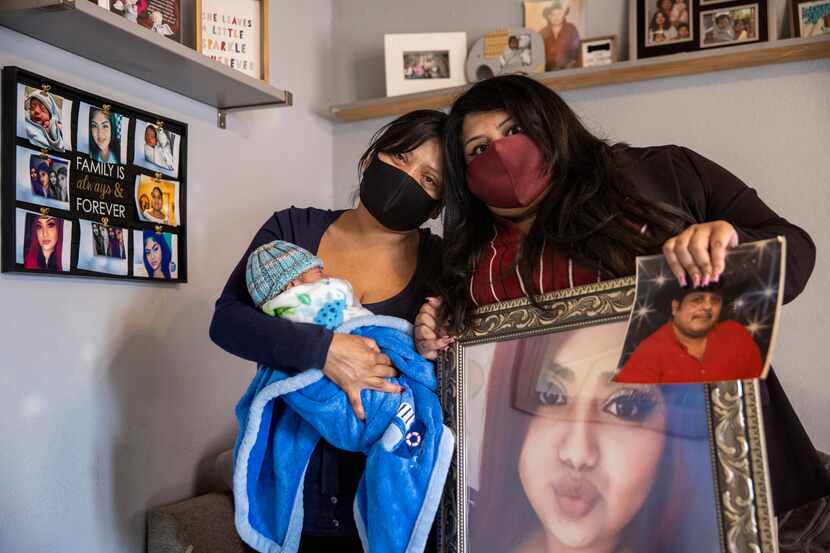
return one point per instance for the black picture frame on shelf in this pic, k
(690, 25)
(87, 183)
(160, 16)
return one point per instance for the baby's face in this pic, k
(312, 275)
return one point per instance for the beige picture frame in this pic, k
(230, 55)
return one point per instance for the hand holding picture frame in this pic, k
(548, 448)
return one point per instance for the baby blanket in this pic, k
(408, 448)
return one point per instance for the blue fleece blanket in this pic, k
(408, 448)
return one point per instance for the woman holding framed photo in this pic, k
(536, 203)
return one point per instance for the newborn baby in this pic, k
(287, 281)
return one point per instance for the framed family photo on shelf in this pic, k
(551, 451)
(234, 33)
(664, 27)
(160, 16)
(417, 62)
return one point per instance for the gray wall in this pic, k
(768, 125)
(112, 397)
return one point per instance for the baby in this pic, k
(287, 281)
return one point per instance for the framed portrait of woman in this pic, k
(552, 455)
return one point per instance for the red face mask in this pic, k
(510, 173)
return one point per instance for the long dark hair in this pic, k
(501, 514)
(115, 136)
(404, 134)
(591, 213)
(166, 253)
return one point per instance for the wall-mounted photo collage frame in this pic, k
(90, 187)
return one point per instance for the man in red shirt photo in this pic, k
(694, 345)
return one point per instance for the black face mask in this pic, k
(394, 198)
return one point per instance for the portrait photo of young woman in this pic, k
(43, 241)
(570, 461)
(155, 255)
(102, 133)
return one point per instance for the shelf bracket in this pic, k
(222, 113)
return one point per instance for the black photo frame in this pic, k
(645, 45)
(74, 160)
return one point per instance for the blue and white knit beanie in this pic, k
(272, 266)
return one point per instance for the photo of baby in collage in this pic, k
(156, 148)
(70, 157)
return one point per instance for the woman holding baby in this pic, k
(401, 179)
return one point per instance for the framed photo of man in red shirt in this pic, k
(723, 331)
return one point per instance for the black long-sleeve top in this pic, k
(240, 328)
(708, 192)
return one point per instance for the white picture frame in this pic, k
(417, 62)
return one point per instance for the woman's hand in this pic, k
(429, 338)
(700, 250)
(355, 363)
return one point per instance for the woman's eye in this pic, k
(401, 157)
(515, 129)
(478, 150)
(552, 394)
(631, 405)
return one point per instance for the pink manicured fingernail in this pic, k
(696, 281)
(717, 278)
(705, 281)
(682, 280)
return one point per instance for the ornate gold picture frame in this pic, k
(550, 451)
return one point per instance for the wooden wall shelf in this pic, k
(84, 29)
(676, 65)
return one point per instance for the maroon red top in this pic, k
(730, 354)
(496, 277)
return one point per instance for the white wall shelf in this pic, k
(83, 28)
